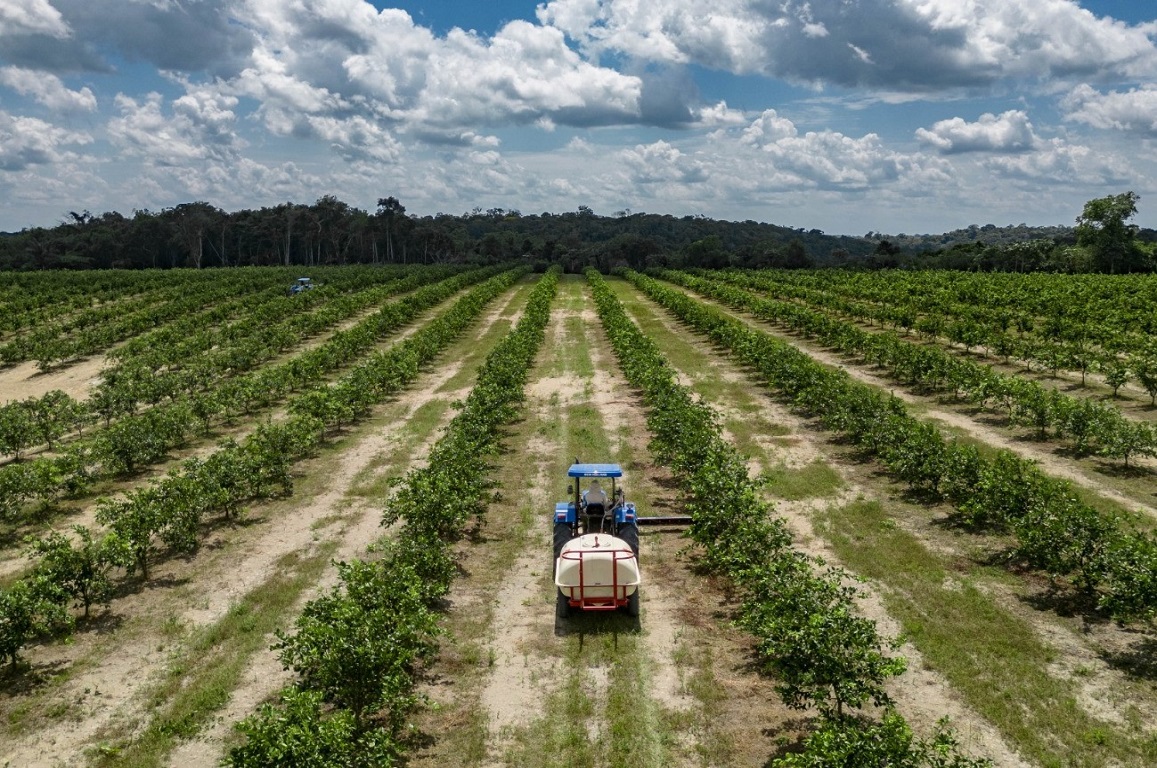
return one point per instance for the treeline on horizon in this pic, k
(330, 231)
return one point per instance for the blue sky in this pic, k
(895, 116)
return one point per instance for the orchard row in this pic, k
(168, 515)
(359, 649)
(803, 613)
(1104, 555)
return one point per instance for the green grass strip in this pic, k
(993, 658)
(201, 681)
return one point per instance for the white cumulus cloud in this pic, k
(28, 141)
(1060, 162)
(1134, 110)
(48, 89)
(342, 58)
(889, 44)
(662, 162)
(199, 126)
(825, 159)
(1007, 132)
(27, 17)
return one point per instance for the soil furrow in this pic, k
(183, 595)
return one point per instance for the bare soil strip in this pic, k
(1097, 661)
(922, 695)
(1131, 398)
(97, 685)
(22, 381)
(516, 686)
(83, 512)
(1088, 473)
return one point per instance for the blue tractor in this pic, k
(301, 285)
(596, 544)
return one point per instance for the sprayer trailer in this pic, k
(597, 572)
(596, 544)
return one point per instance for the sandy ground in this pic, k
(232, 562)
(529, 645)
(522, 674)
(683, 613)
(1131, 398)
(265, 677)
(529, 651)
(22, 381)
(1094, 656)
(12, 559)
(922, 695)
(1049, 462)
(1042, 453)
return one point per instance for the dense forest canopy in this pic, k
(330, 231)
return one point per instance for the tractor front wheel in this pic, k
(562, 605)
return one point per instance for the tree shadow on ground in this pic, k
(1138, 660)
(788, 737)
(25, 677)
(106, 622)
(1066, 601)
(1120, 471)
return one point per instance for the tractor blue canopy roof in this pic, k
(595, 470)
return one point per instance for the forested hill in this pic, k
(989, 234)
(332, 232)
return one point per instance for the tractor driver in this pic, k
(595, 496)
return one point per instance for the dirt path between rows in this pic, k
(521, 674)
(231, 563)
(1131, 397)
(12, 559)
(1049, 463)
(513, 691)
(677, 612)
(922, 695)
(24, 380)
(265, 676)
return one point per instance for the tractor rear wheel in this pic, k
(630, 534)
(632, 607)
(562, 535)
(562, 605)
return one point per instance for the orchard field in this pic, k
(246, 527)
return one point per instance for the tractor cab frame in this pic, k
(608, 516)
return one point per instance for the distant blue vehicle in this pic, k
(302, 285)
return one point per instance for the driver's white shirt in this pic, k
(595, 496)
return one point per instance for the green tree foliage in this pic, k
(55, 415)
(301, 731)
(821, 652)
(824, 655)
(1054, 531)
(1104, 226)
(28, 608)
(18, 429)
(358, 648)
(891, 743)
(80, 568)
(329, 231)
(1143, 366)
